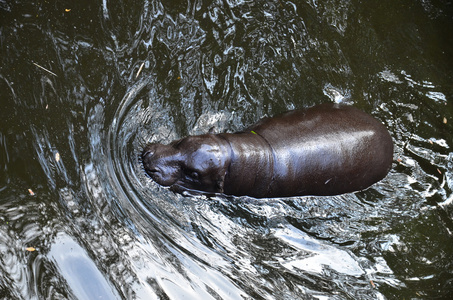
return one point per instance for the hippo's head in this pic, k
(194, 163)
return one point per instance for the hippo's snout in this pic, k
(150, 163)
(159, 166)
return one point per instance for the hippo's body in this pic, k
(328, 149)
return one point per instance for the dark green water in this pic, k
(85, 84)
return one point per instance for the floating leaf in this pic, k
(253, 132)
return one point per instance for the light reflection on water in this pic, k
(128, 74)
(79, 271)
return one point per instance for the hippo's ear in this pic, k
(219, 184)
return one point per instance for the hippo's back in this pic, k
(336, 148)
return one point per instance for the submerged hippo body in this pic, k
(328, 149)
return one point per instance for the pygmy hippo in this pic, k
(328, 149)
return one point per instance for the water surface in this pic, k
(85, 85)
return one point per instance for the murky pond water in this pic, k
(84, 85)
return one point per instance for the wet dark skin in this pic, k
(328, 149)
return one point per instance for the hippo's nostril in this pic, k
(146, 154)
(149, 150)
(153, 172)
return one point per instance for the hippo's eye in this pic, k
(194, 175)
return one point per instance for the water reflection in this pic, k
(79, 272)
